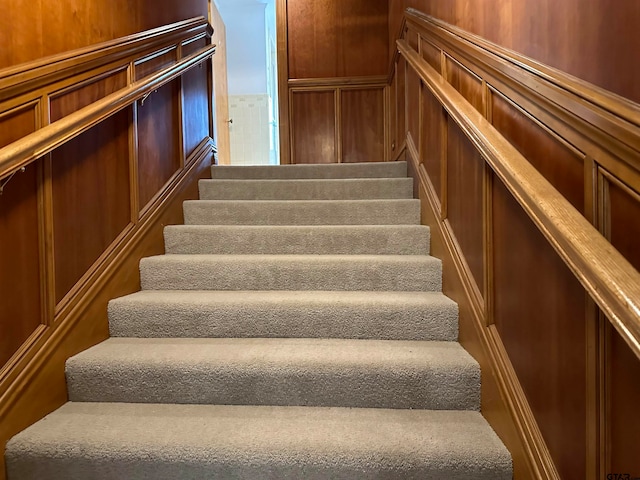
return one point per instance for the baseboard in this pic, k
(39, 387)
(504, 404)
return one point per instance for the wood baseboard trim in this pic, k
(504, 404)
(38, 386)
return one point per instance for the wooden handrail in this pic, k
(612, 282)
(20, 153)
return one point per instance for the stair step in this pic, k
(307, 189)
(302, 212)
(292, 272)
(107, 441)
(374, 315)
(342, 170)
(295, 240)
(277, 371)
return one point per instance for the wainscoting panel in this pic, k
(362, 125)
(313, 120)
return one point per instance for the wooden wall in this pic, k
(592, 41)
(333, 60)
(554, 365)
(75, 223)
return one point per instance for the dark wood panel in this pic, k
(362, 125)
(337, 39)
(392, 117)
(195, 107)
(432, 54)
(564, 35)
(31, 30)
(20, 302)
(91, 200)
(401, 92)
(556, 161)
(192, 46)
(313, 122)
(68, 101)
(413, 99)
(432, 128)
(539, 312)
(155, 62)
(465, 82)
(465, 178)
(158, 141)
(623, 368)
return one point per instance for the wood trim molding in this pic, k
(369, 81)
(606, 275)
(283, 82)
(30, 76)
(22, 152)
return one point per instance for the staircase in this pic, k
(294, 329)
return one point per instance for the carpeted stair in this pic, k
(294, 329)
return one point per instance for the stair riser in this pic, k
(368, 170)
(393, 188)
(195, 272)
(400, 240)
(301, 385)
(347, 212)
(281, 320)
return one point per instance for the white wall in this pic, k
(246, 49)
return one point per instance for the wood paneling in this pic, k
(401, 106)
(20, 302)
(314, 127)
(413, 99)
(558, 163)
(465, 82)
(432, 128)
(68, 101)
(465, 179)
(31, 30)
(337, 39)
(362, 125)
(91, 203)
(195, 107)
(623, 368)
(432, 54)
(159, 156)
(155, 62)
(564, 35)
(539, 312)
(193, 45)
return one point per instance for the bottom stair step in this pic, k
(104, 441)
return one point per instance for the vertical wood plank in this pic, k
(314, 127)
(362, 123)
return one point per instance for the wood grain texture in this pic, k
(31, 30)
(622, 367)
(412, 99)
(465, 179)
(431, 150)
(401, 101)
(362, 125)
(313, 121)
(155, 62)
(539, 312)
(195, 107)
(432, 54)
(159, 150)
(468, 84)
(337, 39)
(91, 203)
(564, 35)
(559, 164)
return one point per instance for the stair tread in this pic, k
(302, 212)
(297, 239)
(318, 314)
(306, 189)
(300, 171)
(105, 441)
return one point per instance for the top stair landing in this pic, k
(308, 171)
